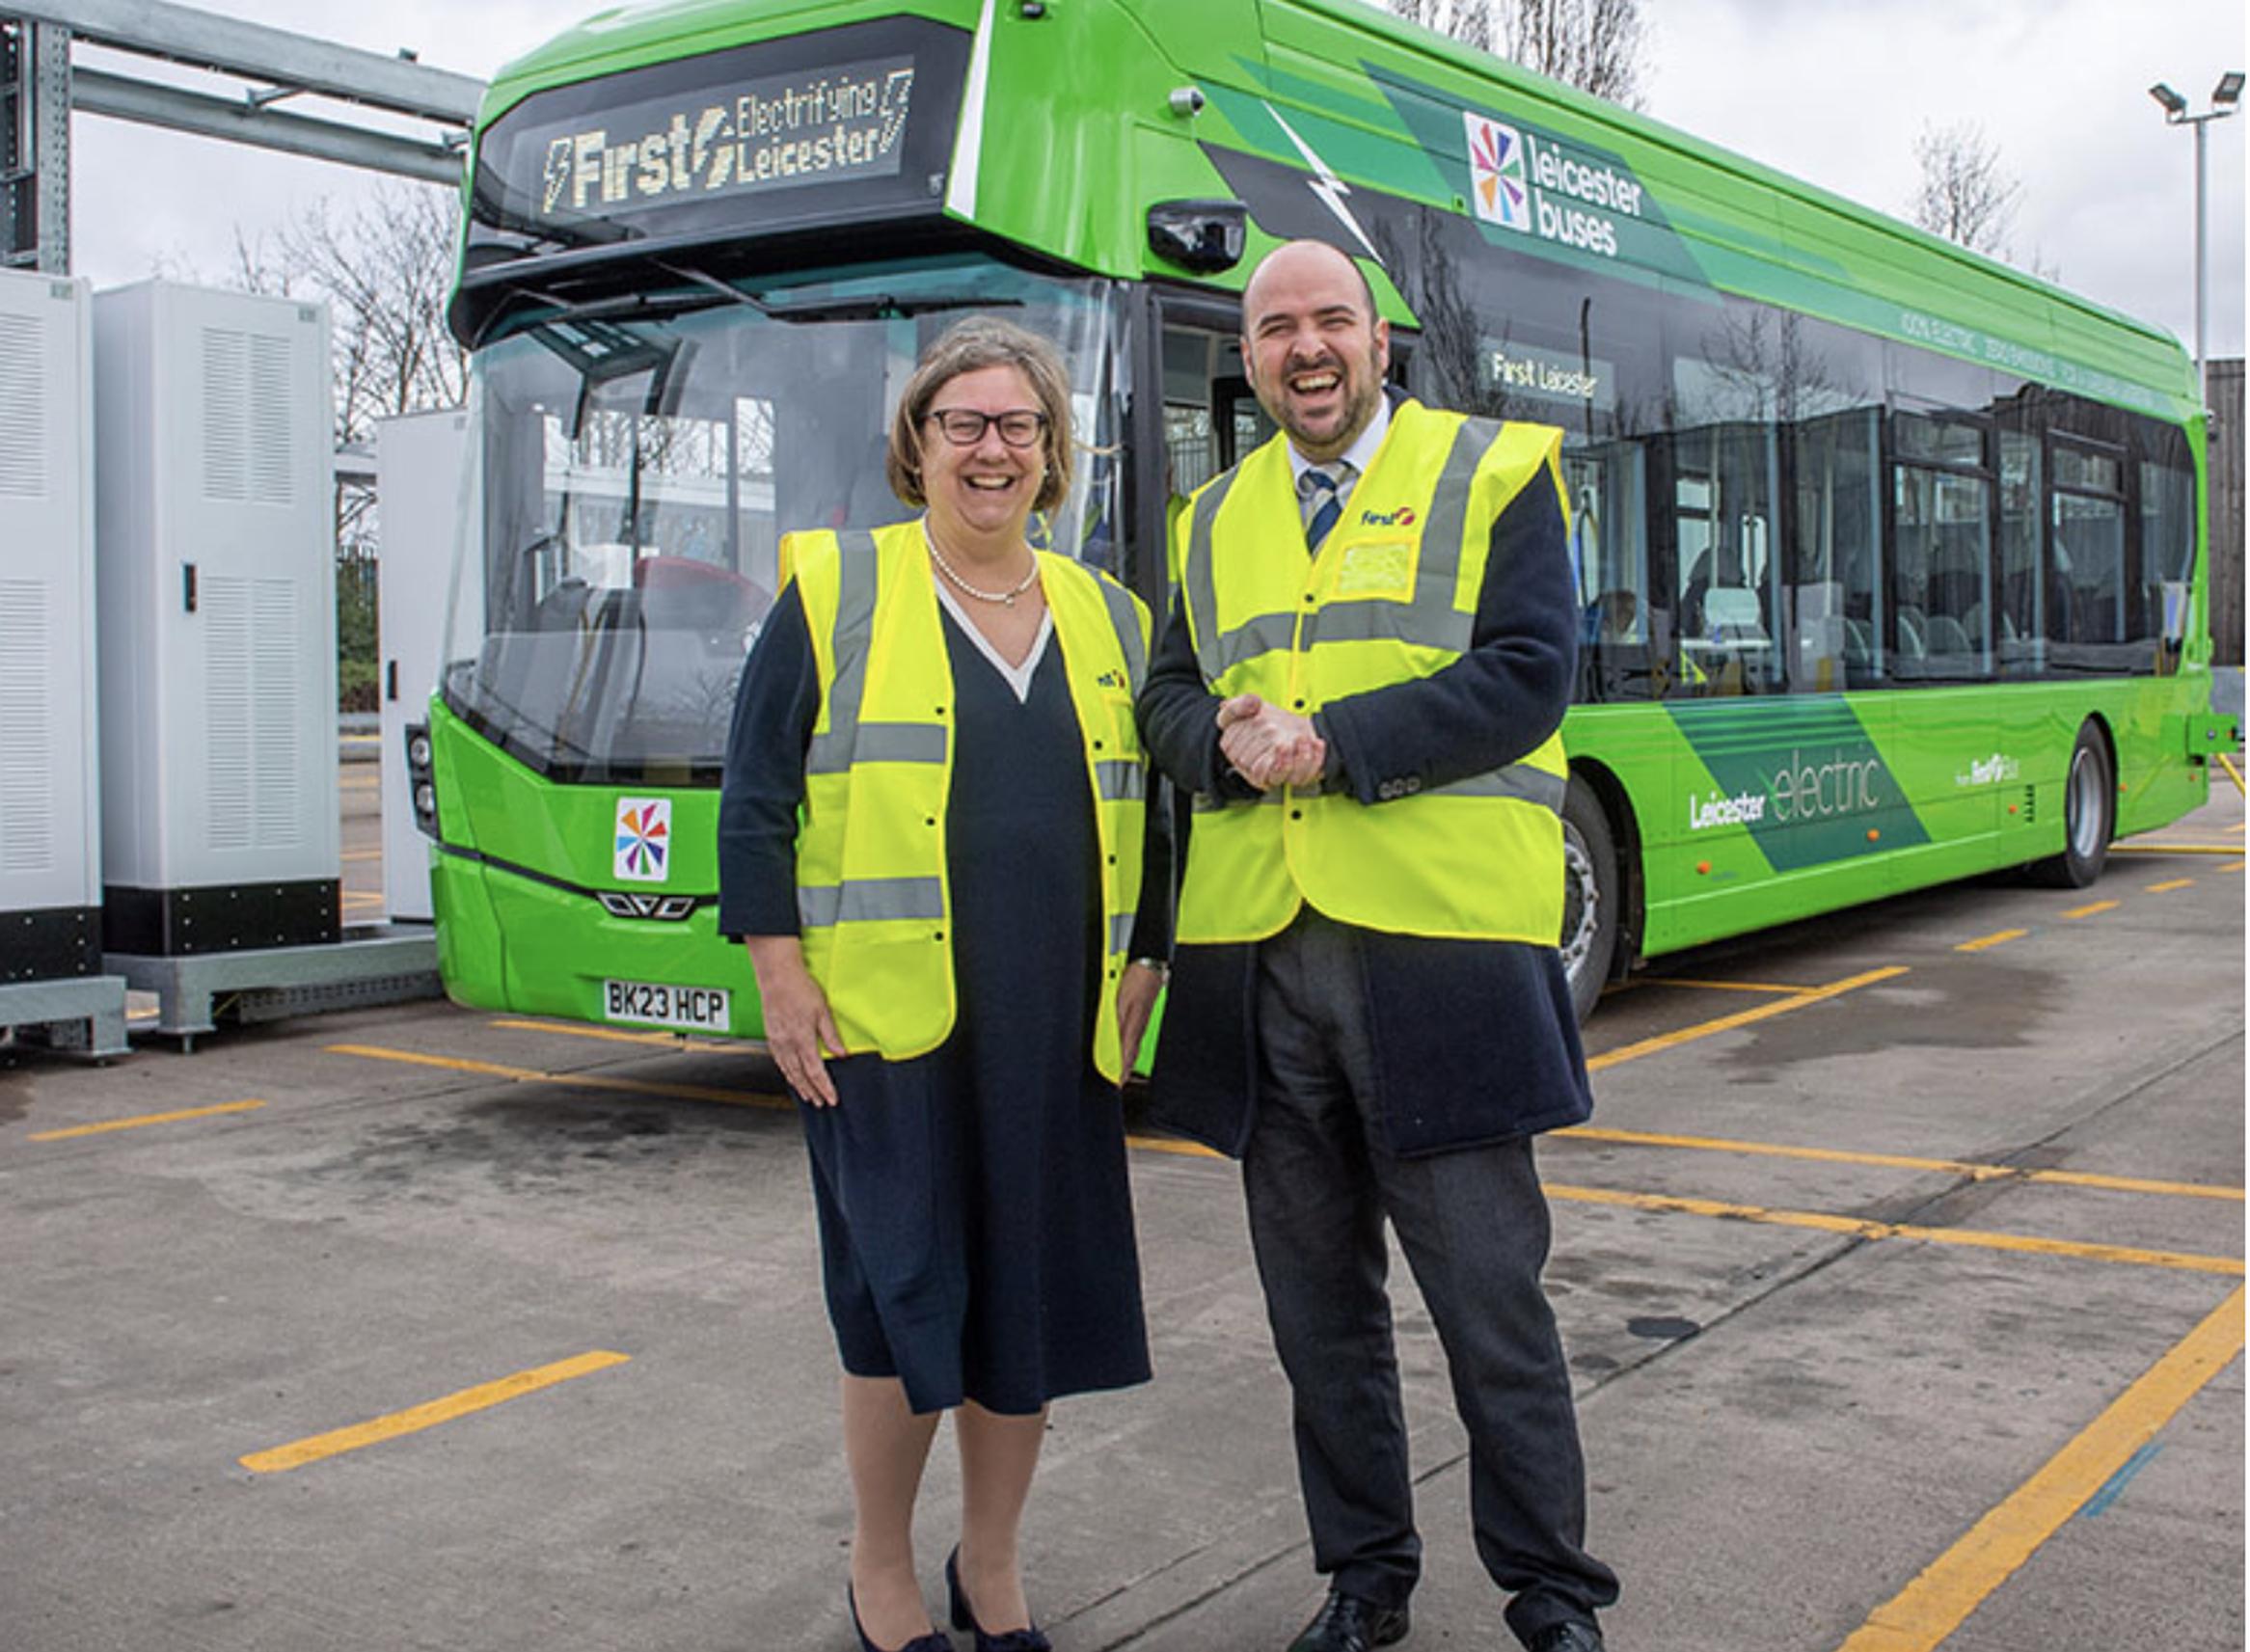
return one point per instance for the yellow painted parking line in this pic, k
(1941, 1599)
(418, 1417)
(363, 854)
(2087, 911)
(1999, 938)
(622, 1036)
(1725, 986)
(369, 784)
(1740, 1018)
(146, 1118)
(1174, 1145)
(1966, 1168)
(2231, 866)
(1851, 1225)
(2233, 773)
(2170, 885)
(576, 1080)
(1858, 1227)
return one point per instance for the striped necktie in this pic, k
(1320, 492)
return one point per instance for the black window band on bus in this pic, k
(1736, 474)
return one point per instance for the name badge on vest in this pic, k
(1377, 568)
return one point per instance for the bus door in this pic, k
(1211, 419)
(1202, 406)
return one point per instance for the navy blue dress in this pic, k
(975, 1217)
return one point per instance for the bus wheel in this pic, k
(2089, 816)
(1591, 907)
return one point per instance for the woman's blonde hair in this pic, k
(969, 345)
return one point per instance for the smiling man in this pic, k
(1361, 683)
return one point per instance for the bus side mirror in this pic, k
(1204, 236)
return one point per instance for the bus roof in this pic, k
(1343, 88)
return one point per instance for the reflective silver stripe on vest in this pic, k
(1429, 619)
(1120, 931)
(831, 752)
(1423, 623)
(1121, 782)
(870, 900)
(1523, 782)
(1448, 505)
(1264, 634)
(1127, 626)
(893, 743)
(1201, 581)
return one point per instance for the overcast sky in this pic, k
(1833, 90)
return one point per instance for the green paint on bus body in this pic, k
(516, 886)
(1744, 812)
(1955, 781)
(1384, 107)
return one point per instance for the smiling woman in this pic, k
(933, 837)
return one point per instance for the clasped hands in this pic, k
(1268, 746)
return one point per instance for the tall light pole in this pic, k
(2224, 98)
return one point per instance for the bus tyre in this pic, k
(1591, 907)
(2089, 816)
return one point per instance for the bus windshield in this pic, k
(638, 459)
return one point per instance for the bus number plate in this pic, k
(698, 1009)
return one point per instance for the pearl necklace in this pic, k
(1006, 597)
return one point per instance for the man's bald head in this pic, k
(1313, 347)
(1293, 256)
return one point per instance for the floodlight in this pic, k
(2228, 90)
(2173, 104)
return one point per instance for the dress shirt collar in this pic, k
(1359, 454)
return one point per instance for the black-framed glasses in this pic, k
(966, 427)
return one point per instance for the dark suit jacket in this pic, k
(1476, 1041)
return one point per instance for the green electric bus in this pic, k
(1891, 560)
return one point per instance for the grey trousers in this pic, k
(1319, 1186)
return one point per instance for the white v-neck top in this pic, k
(1017, 677)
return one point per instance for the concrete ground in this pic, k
(1901, 1272)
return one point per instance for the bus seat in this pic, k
(1913, 639)
(1949, 636)
(681, 593)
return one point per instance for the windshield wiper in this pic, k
(880, 307)
(874, 307)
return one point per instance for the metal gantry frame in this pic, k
(40, 86)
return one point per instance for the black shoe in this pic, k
(1572, 1634)
(1029, 1639)
(932, 1641)
(1346, 1623)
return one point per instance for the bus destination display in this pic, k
(838, 124)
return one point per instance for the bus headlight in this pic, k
(421, 780)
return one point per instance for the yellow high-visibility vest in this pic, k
(1390, 597)
(873, 905)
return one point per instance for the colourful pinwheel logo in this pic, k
(1498, 184)
(644, 838)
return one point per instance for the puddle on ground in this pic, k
(2008, 1005)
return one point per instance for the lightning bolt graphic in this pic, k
(1330, 188)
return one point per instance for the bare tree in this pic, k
(1596, 45)
(1469, 21)
(1964, 195)
(1592, 45)
(384, 267)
